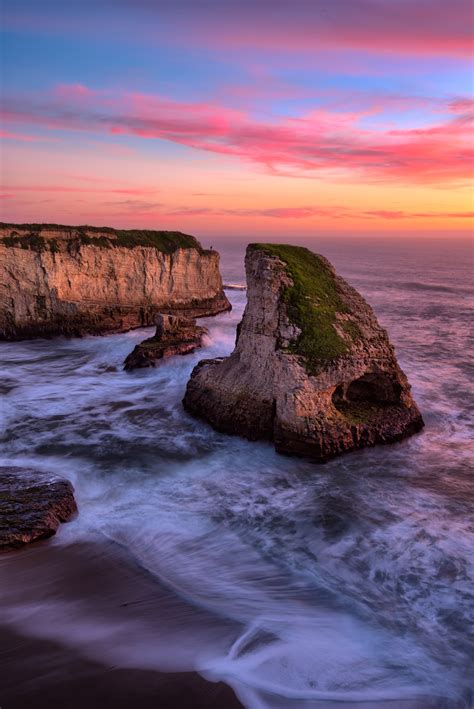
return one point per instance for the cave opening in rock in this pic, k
(375, 388)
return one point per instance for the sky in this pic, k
(223, 118)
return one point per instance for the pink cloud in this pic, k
(24, 138)
(65, 188)
(73, 91)
(429, 27)
(402, 30)
(291, 212)
(327, 142)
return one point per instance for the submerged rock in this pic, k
(312, 369)
(174, 335)
(32, 505)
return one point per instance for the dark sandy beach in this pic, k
(31, 678)
(39, 672)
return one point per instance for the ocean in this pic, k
(299, 585)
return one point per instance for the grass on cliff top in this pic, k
(312, 303)
(166, 241)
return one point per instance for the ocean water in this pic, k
(347, 582)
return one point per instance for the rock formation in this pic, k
(76, 280)
(174, 335)
(32, 505)
(312, 369)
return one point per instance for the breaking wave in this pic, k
(351, 581)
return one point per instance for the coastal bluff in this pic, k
(312, 369)
(66, 280)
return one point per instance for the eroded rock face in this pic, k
(312, 369)
(77, 280)
(174, 335)
(32, 506)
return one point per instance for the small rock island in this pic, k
(173, 336)
(66, 280)
(312, 369)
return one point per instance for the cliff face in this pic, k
(312, 369)
(68, 280)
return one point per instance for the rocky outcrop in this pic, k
(312, 369)
(77, 280)
(173, 336)
(32, 506)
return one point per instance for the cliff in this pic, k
(75, 280)
(312, 369)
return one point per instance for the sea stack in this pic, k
(173, 336)
(63, 280)
(312, 369)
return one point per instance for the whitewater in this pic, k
(299, 585)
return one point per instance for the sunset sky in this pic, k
(239, 118)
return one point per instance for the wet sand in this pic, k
(100, 581)
(37, 674)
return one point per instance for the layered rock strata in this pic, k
(312, 369)
(32, 506)
(77, 280)
(174, 336)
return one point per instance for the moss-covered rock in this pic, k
(313, 303)
(312, 369)
(53, 237)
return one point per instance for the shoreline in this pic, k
(113, 634)
(31, 678)
(39, 669)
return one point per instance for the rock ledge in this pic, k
(174, 335)
(32, 505)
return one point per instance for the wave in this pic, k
(352, 581)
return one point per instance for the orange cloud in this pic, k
(66, 188)
(291, 212)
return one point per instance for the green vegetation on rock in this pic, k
(32, 241)
(165, 241)
(312, 303)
